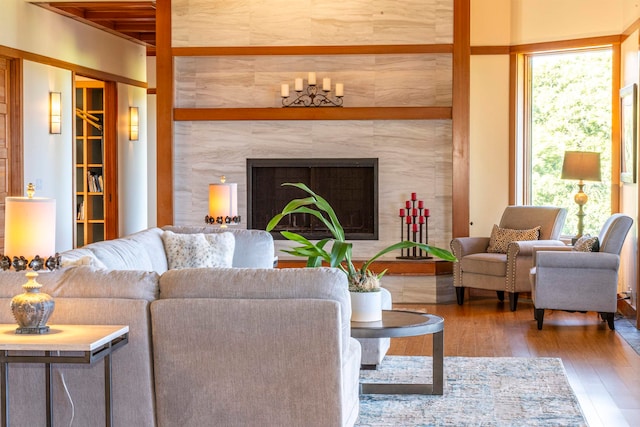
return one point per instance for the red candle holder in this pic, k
(414, 219)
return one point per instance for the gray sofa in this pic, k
(249, 345)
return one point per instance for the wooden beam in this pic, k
(312, 113)
(313, 50)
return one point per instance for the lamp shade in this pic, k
(223, 200)
(581, 165)
(29, 227)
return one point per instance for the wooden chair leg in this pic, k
(500, 295)
(460, 294)
(538, 313)
(609, 317)
(513, 300)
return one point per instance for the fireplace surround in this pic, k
(350, 185)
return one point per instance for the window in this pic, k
(568, 104)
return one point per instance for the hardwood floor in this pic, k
(603, 370)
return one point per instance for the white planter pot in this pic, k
(366, 306)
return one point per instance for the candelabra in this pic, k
(311, 95)
(416, 220)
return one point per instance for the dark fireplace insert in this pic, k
(349, 185)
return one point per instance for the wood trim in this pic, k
(490, 50)
(16, 133)
(78, 69)
(615, 128)
(514, 97)
(434, 267)
(164, 114)
(461, 115)
(152, 91)
(353, 113)
(567, 44)
(110, 166)
(630, 29)
(312, 50)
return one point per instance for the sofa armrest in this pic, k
(577, 260)
(526, 247)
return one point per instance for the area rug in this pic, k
(478, 391)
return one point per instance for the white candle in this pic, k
(312, 79)
(339, 89)
(298, 85)
(326, 84)
(284, 90)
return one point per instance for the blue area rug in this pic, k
(478, 391)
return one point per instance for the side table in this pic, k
(399, 323)
(89, 344)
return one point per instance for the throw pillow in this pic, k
(198, 250)
(501, 237)
(587, 243)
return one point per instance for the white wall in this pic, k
(48, 159)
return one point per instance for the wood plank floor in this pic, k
(602, 368)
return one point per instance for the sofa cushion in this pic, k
(122, 254)
(198, 250)
(587, 243)
(501, 237)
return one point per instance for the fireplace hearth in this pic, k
(350, 185)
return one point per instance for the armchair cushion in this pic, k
(587, 243)
(501, 237)
(485, 263)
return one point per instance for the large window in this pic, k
(569, 105)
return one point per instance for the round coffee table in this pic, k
(400, 323)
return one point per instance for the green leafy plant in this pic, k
(335, 251)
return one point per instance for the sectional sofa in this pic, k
(246, 345)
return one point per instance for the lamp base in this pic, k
(36, 330)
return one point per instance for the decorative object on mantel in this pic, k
(416, 218)
(361, 280)
(223, 204)
(30, 231)
(310, 96)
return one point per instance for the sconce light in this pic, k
(223, 203)
(55, 109)
(134, 123)
(30, 232)
(311, 95)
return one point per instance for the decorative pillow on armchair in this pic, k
(198, 250)
(501, 237)
(587, 243)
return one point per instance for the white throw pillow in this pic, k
(198, 250)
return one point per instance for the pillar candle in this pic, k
(408, 220)
(426, 212)
(401, 212)
(284, 90)
(414, 212)
(420, 204)
(326, 84)
(312, 78)
(407, 204)
(414, 196)
(298, 85)
(339, 89)
(415, 228)
(421, 220)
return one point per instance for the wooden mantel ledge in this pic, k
(400, 267)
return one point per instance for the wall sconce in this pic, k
(223, 203)
(311, 97)
(134, 123)
(55, 111)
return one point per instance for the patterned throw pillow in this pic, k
(501, 237)
(198, 250)
(587, 243)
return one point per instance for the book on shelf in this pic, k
(80, 213)
(94, 182)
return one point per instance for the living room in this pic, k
(449, 158)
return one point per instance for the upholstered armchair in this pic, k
(572, 280)
(493, 263)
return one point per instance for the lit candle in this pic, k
(408, 220)
(421, 220)
(426, 212)
(414, 196)
(312, 79)
(415, 228)
(407, 204)
(339, 89)
(284, 90)
(420, 204)
(326, 84)
(401, 212)
(298, 85)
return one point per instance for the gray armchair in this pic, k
(581, 281)
(505, 272)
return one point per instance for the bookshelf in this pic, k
(89, 163)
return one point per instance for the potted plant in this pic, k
(335, 251)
